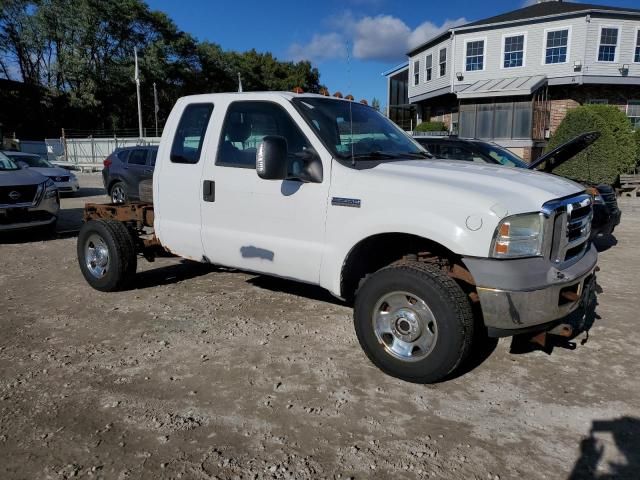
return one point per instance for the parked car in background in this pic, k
(28, 199)
(125, 168)
(606, 214)
(66, 182)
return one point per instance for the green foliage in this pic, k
(79, 56)
(615, 152)
(636, 138)
(431, 127)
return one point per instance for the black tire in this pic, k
(118, 193)
(448, 305)
(120, 246)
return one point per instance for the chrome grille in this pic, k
(571, 225)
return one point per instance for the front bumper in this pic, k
(16, 217)
(71, 186)
(527, 294)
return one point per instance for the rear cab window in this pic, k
(189, 137)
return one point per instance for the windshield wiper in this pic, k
(375, 155)
(418, 154)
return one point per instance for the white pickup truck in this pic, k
(330, 192)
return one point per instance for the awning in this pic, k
(502, 87)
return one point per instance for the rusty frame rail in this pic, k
(141, 213)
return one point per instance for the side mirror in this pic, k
(307, 168)
(271, 158)
(22, 165)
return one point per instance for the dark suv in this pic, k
(125, 168)
(606, 215)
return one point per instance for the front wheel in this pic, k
(106, 255)
(413, 322)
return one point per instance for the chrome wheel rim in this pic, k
(405, 326)
(96, 255)
(117, 194)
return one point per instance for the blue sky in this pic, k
(376, 33)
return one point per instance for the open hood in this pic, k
(564, 152)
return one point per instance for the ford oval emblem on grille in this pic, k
(14, 195)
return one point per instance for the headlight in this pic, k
(50, 189)
(519, 236)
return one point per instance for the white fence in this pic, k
(87, 153)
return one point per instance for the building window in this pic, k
(428, 67)
(443, 62)
(416, 72)
(608, 44)
(499, 120)
(633, 112)
(475, 56)
(514, 51)
(597, 101)
(636, 57)
(557, 43)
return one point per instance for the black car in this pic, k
(606, 214)
(125, 168)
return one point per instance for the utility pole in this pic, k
(239, 82)
(137, 79)
(155, 105)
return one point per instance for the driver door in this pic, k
(270, 226)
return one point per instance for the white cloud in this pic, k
(383, 37)
(321, 47)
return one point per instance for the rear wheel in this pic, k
(119, 193)
(413, 322)
(106, 255)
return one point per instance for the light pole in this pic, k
(137, 79)
(156, 107)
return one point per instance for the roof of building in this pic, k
(397, 68)
(538, 10)
(545, 9)
(503, 87)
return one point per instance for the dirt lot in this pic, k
(209, 373)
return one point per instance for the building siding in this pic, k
(584, 37)
(436, 81)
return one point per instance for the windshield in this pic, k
(31, 160)
(6, 164)
(500, 155)
(370, 135)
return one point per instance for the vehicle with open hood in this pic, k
(606, 214)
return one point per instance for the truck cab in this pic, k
(330, 192)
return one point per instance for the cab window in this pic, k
(247, 123)
(187, 143)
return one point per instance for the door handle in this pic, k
(209, 191)
(148, 171)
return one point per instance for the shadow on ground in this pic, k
(625, 432)
(174, 273)
(291, 287)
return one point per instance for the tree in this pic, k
(375, 103)
(79, 56)
(609, 156)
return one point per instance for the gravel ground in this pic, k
(211, 373)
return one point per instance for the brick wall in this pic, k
(564, 98)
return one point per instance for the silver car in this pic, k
(65, 181)
(27, 198)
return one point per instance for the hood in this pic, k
(496, 187)
(51, 171)
(564, 152)
(14, 178)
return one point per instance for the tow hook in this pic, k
(563, 330)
